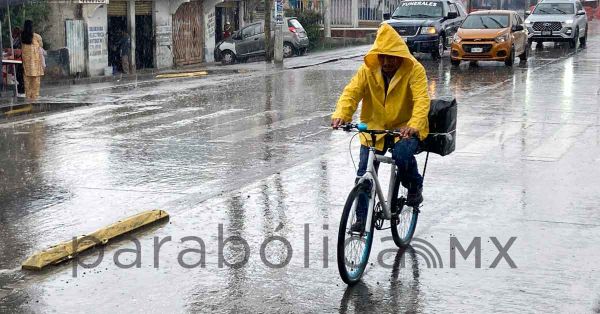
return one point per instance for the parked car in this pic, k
(427, 26)
(494, 35)
(558, 21)
(250, 42)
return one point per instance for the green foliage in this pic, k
(37, 11)
(311, 20)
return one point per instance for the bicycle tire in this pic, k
(353, 277)
(402, 241)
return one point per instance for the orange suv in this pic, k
(490, 36)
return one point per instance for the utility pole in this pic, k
(327, 17)
(278, 53)
(268, 38)
(132, 35)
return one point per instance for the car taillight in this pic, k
(292, 29)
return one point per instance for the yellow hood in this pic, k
(406, 101)
(388, 42)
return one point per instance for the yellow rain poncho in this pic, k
(407, 100)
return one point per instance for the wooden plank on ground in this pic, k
(69, 249)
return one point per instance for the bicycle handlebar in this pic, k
(362, 127)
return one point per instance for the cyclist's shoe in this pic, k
(358, 226)
(414, 198)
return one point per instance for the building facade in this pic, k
(163, 33)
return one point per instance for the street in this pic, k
(251, 155)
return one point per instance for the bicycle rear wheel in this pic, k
(404, 225)
(353, 248)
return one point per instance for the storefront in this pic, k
(143, 33)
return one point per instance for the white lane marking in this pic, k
(146, 119)
(185, 122)
(494, 138)
(263, 129)
(254, 117)
(554, 147)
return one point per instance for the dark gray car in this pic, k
(250, 42)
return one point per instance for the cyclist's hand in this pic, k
(337, 122)
(408, 132)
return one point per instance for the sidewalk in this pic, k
(68, 93)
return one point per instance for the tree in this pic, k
(38, 12)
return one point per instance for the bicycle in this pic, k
(403, 219)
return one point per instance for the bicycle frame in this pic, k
(371, 175)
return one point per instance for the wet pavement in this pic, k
(250, 155)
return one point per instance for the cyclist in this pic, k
(392, 86)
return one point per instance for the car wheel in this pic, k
(529, 43)
(227, 57)
(525, 54)
(573, 42)
(288, 50)
(439, 52)
(510, 60)
(455, 62)
(583, 40)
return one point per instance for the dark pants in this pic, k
(20, 79)
(403, 153)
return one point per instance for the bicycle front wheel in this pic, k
(354, 247)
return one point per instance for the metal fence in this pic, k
(341, 10)
(75, 33)
(373, 10)
(341, 13)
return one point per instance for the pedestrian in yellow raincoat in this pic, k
(392, 86)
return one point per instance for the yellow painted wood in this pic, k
(24, 109)
(67, 250)
(187, 74)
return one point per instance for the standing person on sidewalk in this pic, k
(125, 49)
(16, 35)
(31, 44)
(227, 30)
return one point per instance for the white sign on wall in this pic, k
(96, 36)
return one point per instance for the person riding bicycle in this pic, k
(392, 86)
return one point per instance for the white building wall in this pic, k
(163, 28)
(209, 29)
(95, 17)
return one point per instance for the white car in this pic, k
(556, 21)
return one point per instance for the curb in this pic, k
(13, 110)
(69, 249)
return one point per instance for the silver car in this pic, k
(250, 42)
(558, 20)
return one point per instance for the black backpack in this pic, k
(442, 127)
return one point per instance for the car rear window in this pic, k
(554, 8)
(294, 23)
(479, 21)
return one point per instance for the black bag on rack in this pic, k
(442, 127)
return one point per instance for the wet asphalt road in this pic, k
(251, 153)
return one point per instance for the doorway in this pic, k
(116, 24)
(144, 42)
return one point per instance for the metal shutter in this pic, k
(119, 8)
